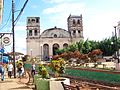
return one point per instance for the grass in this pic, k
(92, 75)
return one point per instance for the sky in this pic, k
(99, 17)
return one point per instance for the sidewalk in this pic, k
(12, 84)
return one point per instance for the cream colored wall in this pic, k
(35, 45)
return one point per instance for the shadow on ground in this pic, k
(20, 88)
(6, 81)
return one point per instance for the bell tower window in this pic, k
(78, 31)
(73, 21)
(78, 21)
(74, 32)
(28, 20)
(30, 32)
(33, 20)
(35, 32)
(37, 20)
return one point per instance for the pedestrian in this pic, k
(10, 69)
(2, 70)
(20, 71)
(33, 69)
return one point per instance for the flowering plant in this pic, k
(43, 71)
(58, 66)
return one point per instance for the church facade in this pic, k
(43, 45)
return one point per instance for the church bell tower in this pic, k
(75, 26)
(33, 27)
(33, 36)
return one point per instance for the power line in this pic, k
(13, 31)
(6, 21)
(17, 2)
(16, 20)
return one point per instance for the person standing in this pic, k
(2, 70)
(33, 69)
(10, 69)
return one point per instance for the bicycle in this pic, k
(25, 77)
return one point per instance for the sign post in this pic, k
(1, 60)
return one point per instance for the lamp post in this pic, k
(31, 53)
(116, 45)
(41, 45)
(117, 50)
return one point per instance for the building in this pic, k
(43, 45)
(1, 10)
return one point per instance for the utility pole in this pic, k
(13, 31)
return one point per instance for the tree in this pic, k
(94, 54)
(86, 47)
(80, 45)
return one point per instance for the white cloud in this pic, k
(65, 8)
(19, 28)
(21, 44)
(57, 1)
(58, 14)
(34, 6)
(100, 26)
(20, 39)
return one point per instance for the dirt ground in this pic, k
(13, 84)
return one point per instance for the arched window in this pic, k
(55, 36)
(74, 31)
(45, 52)
(78, 21)
(30, 32)
(65, 45)
(73, 21)
(55, 47)
(28, 20)
(33, 20)
(35, 33)
(37, 20)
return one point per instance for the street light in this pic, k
(41, 45)
(116, 45)
(31, 53)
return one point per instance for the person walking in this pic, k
(20, 71)
(10, 69)
(2, 70)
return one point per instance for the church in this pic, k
(43, 46)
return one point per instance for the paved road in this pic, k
(12, 84)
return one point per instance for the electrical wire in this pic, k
(16, 20)
(6, 21)
(17, 2)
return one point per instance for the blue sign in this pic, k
(5, 59)
(2, 50)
